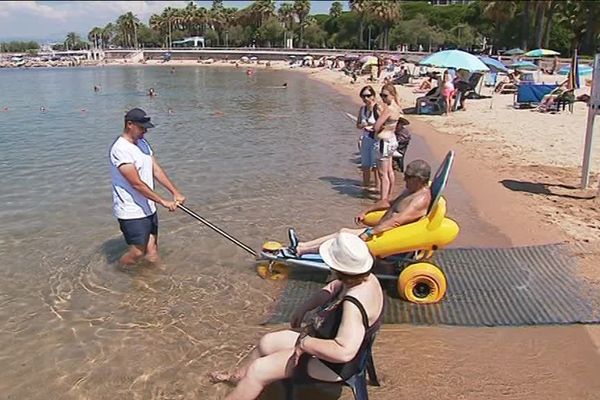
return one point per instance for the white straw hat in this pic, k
(347, 253)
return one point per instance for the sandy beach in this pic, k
(521, 169)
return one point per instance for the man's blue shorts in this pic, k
(137, 231)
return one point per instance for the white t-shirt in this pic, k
(128, 203)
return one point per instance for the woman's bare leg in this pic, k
(261, 372)
(383, 166)
(268, 344)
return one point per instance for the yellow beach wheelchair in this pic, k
(409, 248)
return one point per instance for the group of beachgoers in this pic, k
(331, 331)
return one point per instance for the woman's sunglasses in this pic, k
(383, 94)
(366, 95)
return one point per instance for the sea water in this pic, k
(250, 156)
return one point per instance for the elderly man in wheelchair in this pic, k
(410, 206)
(406, 232)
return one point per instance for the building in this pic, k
(194, 41)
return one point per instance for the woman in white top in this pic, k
(367, 116)
(386, 143)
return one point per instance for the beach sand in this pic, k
(521, 170)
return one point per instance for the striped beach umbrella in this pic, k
(573, 79)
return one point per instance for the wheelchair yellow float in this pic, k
(410, 247)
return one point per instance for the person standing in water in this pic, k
(133, 169)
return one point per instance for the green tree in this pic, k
(500, 12)
(95, 36)
(314, 35)
(127, 25)
(285, 13)
(72, 41)
(336, 9)
(302, 9)
(270, 32)
(361, 8)
(385, 12)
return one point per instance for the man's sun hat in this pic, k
(140, 117)
(347, 253)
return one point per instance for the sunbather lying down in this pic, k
(410, 206)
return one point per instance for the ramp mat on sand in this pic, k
(531, 285)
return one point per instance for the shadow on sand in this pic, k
(542, 188)
(348, 187)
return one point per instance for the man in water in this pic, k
(410, 206)
(133, 169)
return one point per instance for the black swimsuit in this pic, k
(328, 321)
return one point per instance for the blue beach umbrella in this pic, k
(454, 59)
(524, 65)
(541, 53)
(583, 69)
(493, 64)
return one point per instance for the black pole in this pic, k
(217, 229)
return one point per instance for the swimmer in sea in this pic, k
(96, 88)
(152, 92)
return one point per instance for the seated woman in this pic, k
(328, 348)
(548, 100)
(410, 206)
(425, 86)
(510, 84)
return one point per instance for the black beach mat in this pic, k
(532, 285)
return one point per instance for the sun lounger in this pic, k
(530, 95)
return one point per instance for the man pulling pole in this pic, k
(133, 169)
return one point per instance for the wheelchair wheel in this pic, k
(273, 271)
(422, 283)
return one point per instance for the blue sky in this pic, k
(51, 20)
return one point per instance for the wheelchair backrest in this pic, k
(440, 179)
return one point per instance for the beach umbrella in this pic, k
(524, 65)
(493, 64)
(541, 53)
(514, 52)
(368, 60)
(583, 70)
(456, 59)
(351, 56)
(308, 58)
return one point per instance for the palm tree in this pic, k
(95, 36)
(127, 25)
(108, 33)
(336, 9)
(72, 40)
(286, 17)
(525, 24)
(571, 12)
(302, 9)
(361, 8)
(499, 12)
(385, 12)
(540, 14)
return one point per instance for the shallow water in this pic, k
(251, 157)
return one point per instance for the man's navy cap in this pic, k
(140, 117)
